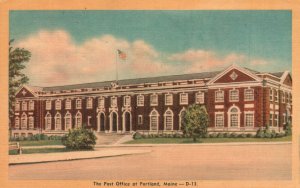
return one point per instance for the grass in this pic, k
(205, 140)
(39, 142)
(43, 150)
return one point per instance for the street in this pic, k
(198, 162)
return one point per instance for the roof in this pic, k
(202, 75)
(277, 74)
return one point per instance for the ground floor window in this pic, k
(31, 122)
(17, 122)
(169, 120)
(154, 120)
(140, 119)
(68, 121)
(249, 119)
(219, 119)
(78, 120)
(275, 120)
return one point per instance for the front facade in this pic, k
(237, 100)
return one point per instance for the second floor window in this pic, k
(219, 96)
(127, 101)
(200, 98)
(78, 103)
(234, 95)
(58, 104)
(183, 98)
(154, 100)
(48, 105)
(89, 103)
(17, 106)
(276, 95)
(24, 106)
(249, 94)
(101, 102)
(113, 101)
(140, 100)
(31, 105)
(68, 104)
(271, 94)
(168, 99)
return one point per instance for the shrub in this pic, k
(234, 135)
(260, 133)
(273, 134)
(213, 135)
(220, 135)
(242, 135)
(249, 135)
(78, 139)
(267, 133)
(288, 129)
(226, 135)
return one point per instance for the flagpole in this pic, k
(116, 66)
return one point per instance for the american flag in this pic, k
(122, 55)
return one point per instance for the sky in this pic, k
(70, 47)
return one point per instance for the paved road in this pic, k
(242, 162)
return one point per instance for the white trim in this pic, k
(65, 118)
(48, 118)
(99, 121)
(231, 96)
(283, 77)
(180, 98)
(77, 106)
(219, 113)
(68, 101)
(157, 121)
(111, 121)
(24, 106)
(89, 103)
(154, 102)
(140, 122)
(31, 122)
(222, 99)
(180, 118)
(77, 116)
(245, 94)
(171, 99)
(25, 123)
(101, 98)
(58, 104)
(165, 119)
(48, 105)
(245, 120)
(17, 119)
(111, 101)
(31, 105)
(230, 113)
(123, 121)
(125, 98)
(138, 98)
(57, 116)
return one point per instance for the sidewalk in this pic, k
(74, 155)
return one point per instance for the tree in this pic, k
(17, 59)
(195, 121)
(79, 139)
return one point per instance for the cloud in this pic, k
(58, 60)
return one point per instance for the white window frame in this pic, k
(126, 101)
(31, 105)
(68, 116)
(245, 119)
(17, 122)
(238, 113)
(184, 96)
(31, 122)
(57, 121)
(48, 121)
(113, 101)
(58, 104)
(276, 118)
(101, 102)
(154, 100)
(165, 119)
(140, 100)
(283, 97)
(248, 96)
(171, 99)
(157, 120)
(271, 118)
(216, 120)
(89, 103)
(78, 104)
(271, 94)
(48, 105)
(78, 117)
(17, 106)
(89, 120)
(276, 97)
(284, 118)
(290, 98)
(24, 106)
(68, 104)
(140, 119)
(234, 98)
(199, 98)
(25, 122)
(219, 97)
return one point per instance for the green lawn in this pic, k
(43, 150)
(39, 143)
(204, 140)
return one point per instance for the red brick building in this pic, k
(237, 100)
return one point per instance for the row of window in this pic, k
(234, 95)
(285, 97)
(234, 119)
(24, 106)
(24, 120)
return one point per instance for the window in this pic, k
(183, 98)
(271, 120)
(78, 103)
(31, 105)
(17, 106)
(200, 98)
(291, 99)
(286, 98)
(219, 119)
(154, 120)
(181, 116)
(249, 119)
(168, 99)
(275, 120)
(153, 100)
(24, 121)
(58, 104)
(68, 121)
(48, 121)
(127, 101)
(78, 120)
(219, 96)
(101, 101)
(89, 103)
(271, 94)
(57, 120)
(140, 119)
(283, 97)
(168, 120)
(113, 101)
(140, 100)
(24, 105)
(48, 105)
(234, 95)
(31, 122)
(68, 104)
(17, 122)
(89, 120)
(276, 95)
(234, 117)
(249, 94)
(284, 118)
